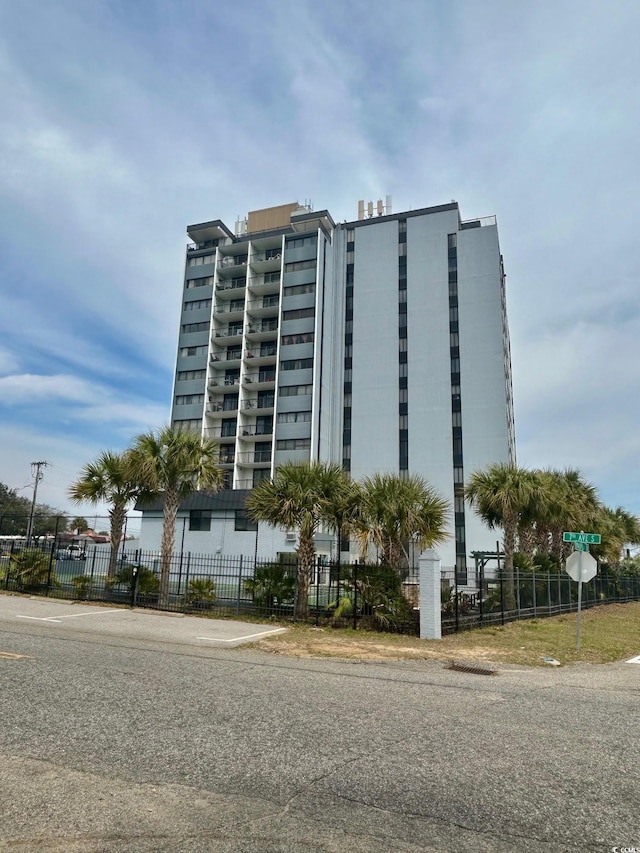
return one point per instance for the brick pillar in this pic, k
(430, 607)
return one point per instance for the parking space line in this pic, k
(67, 616)
(248, 637)
(634, 660)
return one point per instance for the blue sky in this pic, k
(123, 122)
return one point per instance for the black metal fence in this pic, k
(494, 598)
(357, 595)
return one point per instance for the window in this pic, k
(297, 289)
(244, 522)
(203, 259)
(299, 313)
(456, 419)
(188, 425)
(293, 444)
(272, 278)
(453, 264)
(230, 403)
(299, 242)
(296, 364)
(228, 428)
(454, 339)
(458, 476)
(300, 338)
(197, 304)
(453, 315)
(189, 399)
(296, 390)
(195, 327)
(184, 375)
(200, 519)
(300, 265)
(294, 417)
(452, 240)
(207, 281)
(189, 351)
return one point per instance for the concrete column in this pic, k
(430, 606)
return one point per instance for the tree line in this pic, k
(385, 513)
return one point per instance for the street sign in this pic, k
(581, 566)
(580, 546)
(586, 538)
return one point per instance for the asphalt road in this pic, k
(112, 743)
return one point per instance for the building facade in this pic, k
(381, 344)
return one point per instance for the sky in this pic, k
(124, 121)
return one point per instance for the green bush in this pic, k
(148, 583)
(271, 585)
(81, 586)
(201, 593)
(30, 569)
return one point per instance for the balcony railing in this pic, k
(269, 255)
(231, 284)
(222, 406)
(255, 456)
(224, 381)
(265, 302)
(233, 307)
(228, 261)
(252, 429)
(231, 332)
(226, 356)
(259, 377)
(258, 404)
(267, 326)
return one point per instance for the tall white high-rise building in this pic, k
(381, 344)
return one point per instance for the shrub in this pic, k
(148, 583)
(201, 593)
(81, 586)
(30, 569)
(271, 585)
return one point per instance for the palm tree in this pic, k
(108, 479)
(301, 495)
(395, 511)
(174, 463)
(501, 494)
(617, 528)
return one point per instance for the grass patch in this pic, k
(609, 633)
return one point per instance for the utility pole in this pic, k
(37, 475)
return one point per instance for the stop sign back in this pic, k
(581, 566)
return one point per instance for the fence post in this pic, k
(317, 590)
(239, 586)
(533, 593)
(502, 597)
(430, 596)
(355, 595)
(480, 600)
(93, 565)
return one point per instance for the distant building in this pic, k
(381, 344)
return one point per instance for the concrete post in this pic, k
(430, 606)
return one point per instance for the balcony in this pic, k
(250, 431)
(265, 307)
(267, 403)
(264, 355)
(223, 381)
(218, 407)
(223, 433)
(234, 306)
(218, 357)
(230, 284)
(229, 332)
(263, 379)
(260, 331)
(255, 457)
(231, 262)
(226, 458)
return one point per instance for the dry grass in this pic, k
(609, 633)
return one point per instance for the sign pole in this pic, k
(579, 612)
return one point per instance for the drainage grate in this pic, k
(473, 668)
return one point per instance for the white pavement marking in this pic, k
(248, 637)
(69, 616)
(634, 660)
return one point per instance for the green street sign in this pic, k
(580, 546)
(584, 538)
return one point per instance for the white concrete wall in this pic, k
(429, 362)
(482, 379)
(374, 430)
(222, 539)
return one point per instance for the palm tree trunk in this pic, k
(510, 529)
(117, 516)
(306, 553)
(171, 506)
